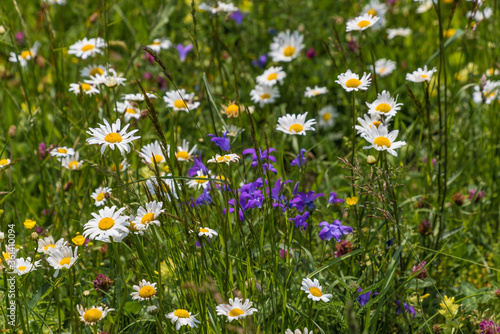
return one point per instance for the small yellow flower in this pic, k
(78, 240)
(29, 224)
(449, 308)
(351, 200)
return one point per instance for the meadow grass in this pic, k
(300, 219)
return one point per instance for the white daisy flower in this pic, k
(184, 153)
(63, 257)
(424, 7)
(109, 78)
(314, 290)
(166, 186)
(83, 88)
(227, 158)
(383, 67)
(87, 47)
(128, 109)
(208, 232)
(92, 315)
(148, 216)
(361, 23)
(62, 152)
(92, 70)
(381, 140)
(421, 75)
(298, 331)
(327, 116)
(488, 93)
(263, 94)
(402, 32)
(111, 135)
(376, 8)
(25, 56)
(311, 92)
(180, 100)
(99, 195)
(232, 109)
(153, 153)
(138, 97)
(369, 122)
(4, 162)
(122, 166)
(226, 7)
(236, 310)
(159, 44)
(181, 317)
(350, 81)
(203, 181)
(286, 46)
(295, 124)
(47, 245)
(272, 76)
(23, 266)
(55, 2)
(72, 162)
(384, 105)
(491, 71)
(105, 224)
(480, 15)
(144, 291)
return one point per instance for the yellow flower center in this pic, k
(233, 110)
(85, 87)
(272, 76)
(265, 96)
(62, 150)
(382, 141)
(92, 315)
(26, 54)
(364, 24)
(147, 218)
(382, 70)
(383, 107)
(204, 230)
(156, 159)
(180, 313)
(130, 111)
(100, 197)
(424, 76)
(4, 162)
(180, 104)
(6, 256)
(106, 223)
(327, 116)
(289, 51)
(352, 83)
(491, 71)
(133, 227)
(147, 291)
(372, 12)
(73, 165)
(202, 181)
(49, 246)
(156, 43)
(113, 168)
(236, 312)
(96, 70)
(376, 123)
(21, 268)
(87, 47)
(296, 128)
(315, 292)
(66, 260)
(113, 137)
(182, 155)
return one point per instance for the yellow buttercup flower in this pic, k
(78, 240)
(351, 200)
(29, 224)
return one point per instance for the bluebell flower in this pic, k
(184, 50)
(204, 198)
(364, 298)
(238, 17)
(300, 160)
(333, 230)
(261, 61)
(263, 155)
(303, 201)
(300, 220)
(334, 199)
(222, 142)
(198, 165)
(389, 242)
(407, 307)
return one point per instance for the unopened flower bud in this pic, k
(34, 235)
(2, 236)
(371, 160)
(68, 185)
(12, 131)
(86, 292)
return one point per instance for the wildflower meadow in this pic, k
(254, 166)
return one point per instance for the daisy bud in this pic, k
(68, 185)
(34, 235)
(12, 131)
(144, 114)
(2, 29)
(2, 236)
(371, 160)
